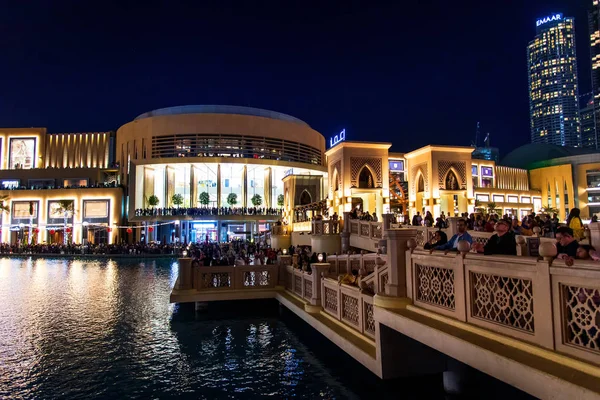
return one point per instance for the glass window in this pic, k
(206, 176)
(182, 183)
(474, 170)
(232, 183)
(537, 203)
(487, 182)
(256, 178)
(525, 199)
(593, 178)
(487, 171)
(513, 199)
(75, 182)
(482, 197)
(498, 198)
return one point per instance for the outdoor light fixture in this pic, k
(284, 252)
(320, 257)
(184, 253)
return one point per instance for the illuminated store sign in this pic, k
(11, 184)
(337, 138)
(555, 17)
(397, 166)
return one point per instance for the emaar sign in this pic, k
(555, 17)
(340, 137)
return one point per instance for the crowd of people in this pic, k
(503, 242)
(200, 211)
(547, 223)
(99, 249)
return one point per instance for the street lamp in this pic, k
(320, 257)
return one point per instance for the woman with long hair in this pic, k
(574, 222)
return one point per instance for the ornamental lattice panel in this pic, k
(581, 317)
(350, 309)
(435, 285)
(337, 165)
(331, 301)
(369, 319)
(503, 300)
(458, 166)
(298, 284)
(413, 175)
(216, 280)
(308, 292)
(357, 164)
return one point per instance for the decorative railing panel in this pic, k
(256, 278)
(365, 229)
(331, 300)
(354, 227)
(504, 300)
(298, 284)
(368, 316)
(215, 280)
(435, 285)
(350, 309)
(581, 317)
(308, 288)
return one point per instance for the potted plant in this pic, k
(256, 200)
(280, 200)
(177, 199)
(153, 201)
(232, 199)
(204, 199)
(491, 207)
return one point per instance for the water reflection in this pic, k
(80, 329)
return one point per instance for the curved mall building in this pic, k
(217, 157)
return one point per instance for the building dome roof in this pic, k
(220, 109)
(528, 155)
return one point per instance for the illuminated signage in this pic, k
(288, 172)
(555, 17)
(340, 137)
(487, 171)
(396, 166)
(12, 184)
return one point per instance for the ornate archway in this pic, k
(305, 198)
(365, 178)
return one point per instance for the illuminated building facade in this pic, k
(40, 170)
(553, 90)
(218, 157)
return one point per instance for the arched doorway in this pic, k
(420, 193)
(365, 179)
(305, 198)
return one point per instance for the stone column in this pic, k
(318, 269)
(452, 226)
(396, 260)
(186, 278)
(345, 236)
(268, 192)
(219, 185)
(346, 221)
(193, 195)
(595, 234)
(244, 186)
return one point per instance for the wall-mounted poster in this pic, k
(22, 153)
(95, 209)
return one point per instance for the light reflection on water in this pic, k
(81, 329)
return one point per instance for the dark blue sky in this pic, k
(411, 74)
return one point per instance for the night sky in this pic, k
(415, 74)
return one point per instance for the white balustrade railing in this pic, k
(538, 301)
(371, 230)
(344, 263)
(238, 277)
(325, 227)
(347, 304)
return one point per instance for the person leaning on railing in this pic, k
(502, 242)
(439, 238)
(452, 244)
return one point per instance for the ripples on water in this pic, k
(81, 329)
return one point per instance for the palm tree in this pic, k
(67, 209)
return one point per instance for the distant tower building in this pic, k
(553, 91)
(589, 138)
(594, 31)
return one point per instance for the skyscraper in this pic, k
(586, 118)
(553, 91)
(594, 31)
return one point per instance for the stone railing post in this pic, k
(396, 260)
(594, 228)
(452, 226)
(347, 222)
(318, 271)
(186, 278)
(386, 221)
(521, 246)
(283, 261)
(345, 239)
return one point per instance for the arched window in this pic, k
(421, 184)
(336, 182)
(305, 198)
(365, 179)
(451, 181)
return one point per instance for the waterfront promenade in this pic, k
(531, 322)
